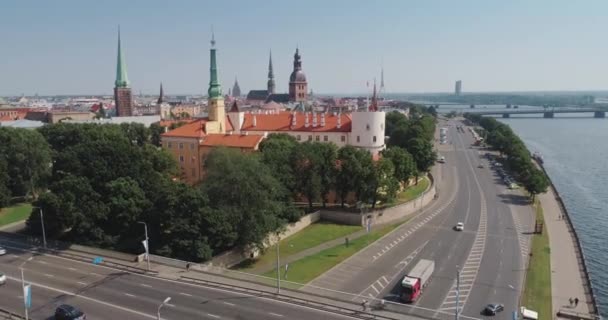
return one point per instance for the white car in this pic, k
(2, 279)
(459, 226)
(2, 251)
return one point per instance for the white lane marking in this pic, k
(229, 304)
(95, 274)
(377, 292)
(275, 314)
(87, 298)
(383, 277)
(185, 294)
(154, 317)
(170, 305)
(14, 256)
(145, 285)
(42, 262)
(82, 283)
(213, 315)
(72, 269)
(49, 275)
(129, 295)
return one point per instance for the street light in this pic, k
(147, 243)
(278, 265)
(23, 284)
(161, 305)
(42, 223)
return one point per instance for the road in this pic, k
(488, 252)
(104, 293)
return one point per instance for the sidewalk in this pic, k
(567, 277)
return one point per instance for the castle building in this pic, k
(123, 98)
(191, 142)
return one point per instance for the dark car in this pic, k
(68, 312)
(493, 308)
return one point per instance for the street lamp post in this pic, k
(42, 224)
(278, 266)
(23, 284)
(147, 243)
(160, 306)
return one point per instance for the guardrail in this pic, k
(5, 314)
(291, 299)
(578, 249)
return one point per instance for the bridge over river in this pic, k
(598, 112)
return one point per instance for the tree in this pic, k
(5, 192)
(346, 171)
(536, 182)
(28, 160)
(155, 131)
(243, 188)
(306, 163)
(277, 151)
(422, 151)
(403, 163)
(328, 153)
(383, 184)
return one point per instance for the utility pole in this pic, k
(457, 292)
(23, 286)
(42, 223)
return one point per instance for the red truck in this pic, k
(415, 280)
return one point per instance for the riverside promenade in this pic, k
(569, 278)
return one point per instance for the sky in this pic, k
(69, 46)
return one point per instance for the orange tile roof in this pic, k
(194, 129)
(232, 140)
(282, 121)
(167, 123)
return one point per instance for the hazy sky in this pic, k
(69, 47)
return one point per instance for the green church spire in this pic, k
(215, 91)
(121, 68)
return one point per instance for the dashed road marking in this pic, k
(72, 269)
(145, 285)
(129, 295)
(213, 315)
(82, 283)
(275, 314)
(229, 304)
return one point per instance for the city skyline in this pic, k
(422, 47)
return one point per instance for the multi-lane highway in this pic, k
(489, 252)
(104, 293)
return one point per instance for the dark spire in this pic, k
(161, 96)
(297, 62)
(374, 105)
(271, 85)
(236, 89)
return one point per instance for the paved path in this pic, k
(566, 277)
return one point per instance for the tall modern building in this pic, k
(458, 88)
(298, 87)
(123, 98)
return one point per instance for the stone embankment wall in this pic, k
(580, 255)
(382, 216)
(232, 257)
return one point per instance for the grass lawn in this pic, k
(537, 292)
(309, 237)
(413, 191)
(308, 268)
(15, 213)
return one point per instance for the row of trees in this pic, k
(96, 182)
(103, 179)
(518, 159)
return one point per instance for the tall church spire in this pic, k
(271, 84)
(382, 80)
(122, 80)
(236, 89)
(374, 105)
(161, 96)
(215, 89)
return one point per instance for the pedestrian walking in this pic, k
(364, 305)
(571, 301)
(188, 266)
(575, 302)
